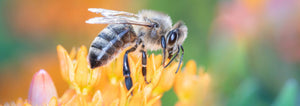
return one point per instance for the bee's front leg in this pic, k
(173, 58)
(164, 46)
(182, 52)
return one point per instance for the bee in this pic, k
(147, 30)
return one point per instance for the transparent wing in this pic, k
(115, 17)
(116, 20)
(108, 13)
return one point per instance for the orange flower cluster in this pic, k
(193, 89)
(105, 86)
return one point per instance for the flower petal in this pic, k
(26, 103)
(53, 102)
(154, 100)
(95, 77)
(191, 67)
(97, 99)
(65, 62)
(137, 99)
(77, 100)
(123, 96)
(41, 89)
(115, 102)
(73, 53)
(67, 96)
(20, 102)
(81, 69)
(166, 81)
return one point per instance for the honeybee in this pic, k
(147, 30)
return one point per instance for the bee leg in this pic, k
(178, 50)
(180, 58)
(144, 64)
(126, 69)
(163, 45)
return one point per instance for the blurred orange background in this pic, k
(249, 47)
(45, 24)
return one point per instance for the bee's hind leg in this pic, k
(126, 69)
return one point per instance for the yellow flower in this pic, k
(104, 86)
(193, 89)
(109, 85)
(76, 71)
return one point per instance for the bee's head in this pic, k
(161, 23)
(160, 26)
(175, 37)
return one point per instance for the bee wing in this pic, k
(116, 17)
(109, 13)
(117, 20)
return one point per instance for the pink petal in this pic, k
(41, 89)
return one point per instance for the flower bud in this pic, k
(41, 89)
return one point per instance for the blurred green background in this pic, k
(251, 48)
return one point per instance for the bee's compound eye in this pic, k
(172, 38)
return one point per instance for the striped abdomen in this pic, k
(108, 44)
